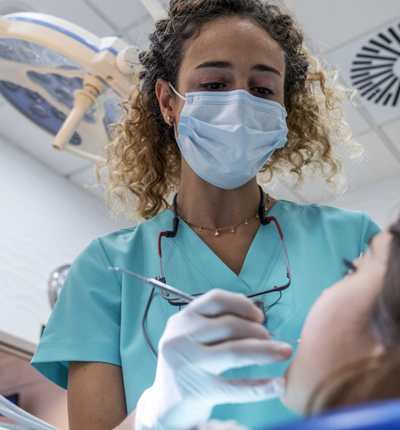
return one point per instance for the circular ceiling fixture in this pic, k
(376, 69)
(65, 79)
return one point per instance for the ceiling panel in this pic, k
(354, 117)
(75, 11)
(356, 17)
(314, 16)
(138, 34)
(331, 23)
(84, 177)
(279, 190)
(309, 192)
(377, 163)
(392, 130)
(122, 13)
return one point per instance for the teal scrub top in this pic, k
(98, 315)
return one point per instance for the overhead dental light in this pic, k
(65, 79)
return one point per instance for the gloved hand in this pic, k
(220, 330)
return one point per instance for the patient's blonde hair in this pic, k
(142, 158)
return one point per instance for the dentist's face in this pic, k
(337, 331)
(231, 54)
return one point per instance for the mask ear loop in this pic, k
(176, 92)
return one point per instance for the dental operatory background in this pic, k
(62, 76)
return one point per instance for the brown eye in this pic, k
(212, 86)
(263, 91)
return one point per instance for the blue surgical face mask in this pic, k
(226, 137)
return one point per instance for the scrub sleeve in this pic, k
(99, 313)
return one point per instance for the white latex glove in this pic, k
(218, 331)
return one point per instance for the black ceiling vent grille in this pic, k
(375, 71)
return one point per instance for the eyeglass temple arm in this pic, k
(272, 218)
(175, 223)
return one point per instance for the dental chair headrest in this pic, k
(382, 415)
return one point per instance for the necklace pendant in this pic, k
(246, 222)
(233, 230)
(216, 233)
(200, 228)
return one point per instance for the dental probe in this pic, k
(174, 291)
(151, 281)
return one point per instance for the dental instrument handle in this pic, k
(153, 282)
(284, 339)
(170, 290)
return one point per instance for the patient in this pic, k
(350, 348)
(350, 344)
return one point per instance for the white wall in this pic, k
(45, 221)
(381, 200)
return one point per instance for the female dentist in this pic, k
(226, 89)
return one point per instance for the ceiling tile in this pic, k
(309, 192)
(281, 191)
(314, 16)
(357, 17)
(75, 11)
(122, 13)
(392, 130)
(15, 128)
(353, 116)
(377, 163)
(384, 207)
(331, 23)
(86, 177)
(138, 34)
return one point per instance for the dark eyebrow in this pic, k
(227, 65)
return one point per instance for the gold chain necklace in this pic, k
(231, 227)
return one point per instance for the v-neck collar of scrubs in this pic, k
(258, 263)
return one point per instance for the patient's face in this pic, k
(336, 330)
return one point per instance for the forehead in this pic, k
(234, 39)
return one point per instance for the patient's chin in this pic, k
(293, 398)
(295, 403)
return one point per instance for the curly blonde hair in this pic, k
(142, 157)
